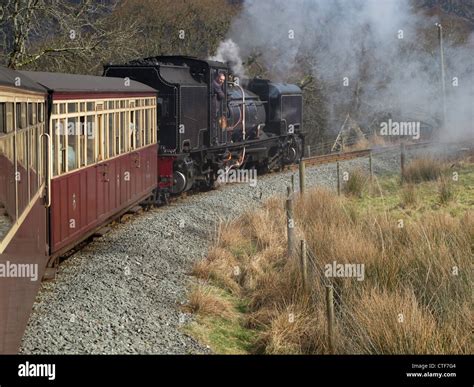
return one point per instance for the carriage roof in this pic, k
(16, 79)
(59, 82)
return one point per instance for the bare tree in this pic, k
(179, 27)
(64, 35)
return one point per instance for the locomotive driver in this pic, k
(219, 96)
(218, 86)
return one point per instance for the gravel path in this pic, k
(121, 293)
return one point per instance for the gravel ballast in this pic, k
(5, 225)
(122, 292)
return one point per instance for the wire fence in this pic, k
(346, 320)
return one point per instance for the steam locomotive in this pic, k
(256, 126)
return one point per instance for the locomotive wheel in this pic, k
(292, 155)
(179, 182)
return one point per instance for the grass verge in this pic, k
(415, 243)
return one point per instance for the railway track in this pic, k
(331, 158)
(341, 156)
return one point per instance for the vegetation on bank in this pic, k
(415, 241)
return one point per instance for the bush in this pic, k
(422, 169)
(409, 195)
(355, 184)
(445, 190)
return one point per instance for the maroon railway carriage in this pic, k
(103, 152)
(22, 210)
(96, 159)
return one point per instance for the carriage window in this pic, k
(40, 112)
(55, 108)
(72, 147)
(60, 129)
(17, 116)
(143, 127)
(104, 142)
(111, 135)
(3, 118)
(90, 130)
(9, 116)
(54, 138)
(32, 114)
(122, 132)
(147, 127)
(62, 108)
(20, 116)
(138, 128)
(33, 156)
(152, 126)
(90, 106)
(23, 122)
(72, 107)
(132, 130)
(82, 141)
(153, 118)
(117, 133)
(20, 151)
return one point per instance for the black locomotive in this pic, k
(255, 126)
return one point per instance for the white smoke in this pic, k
(229, 52)
(380, 47)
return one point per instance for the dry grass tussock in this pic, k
(423, 169)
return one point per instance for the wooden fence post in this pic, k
(308, 148)
(302, 177)
(330, 315)
(293, 182)
(290, 224)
